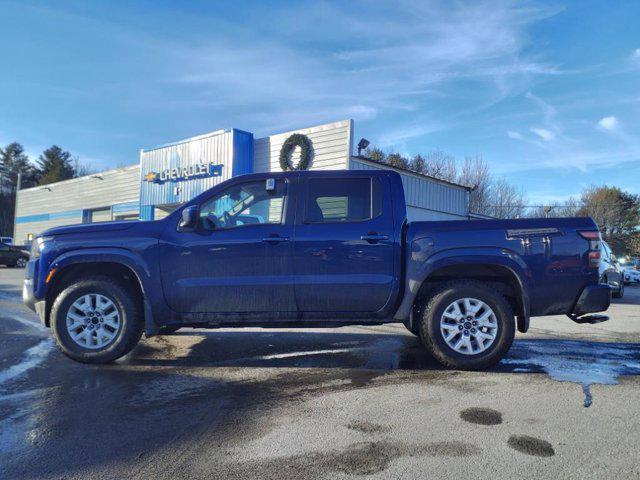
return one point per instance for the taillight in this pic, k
(594, 259)
(593, 236)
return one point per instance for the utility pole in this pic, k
(15, 205)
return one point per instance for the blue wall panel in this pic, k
(242, 152)
(44, 217)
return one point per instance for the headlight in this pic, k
(37, 245)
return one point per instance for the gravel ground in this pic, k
(321, 403)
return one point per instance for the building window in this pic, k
(94, 215)
(126, 216)
(342, 200)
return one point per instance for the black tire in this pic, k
(128, 308)
(432, 338)
(415, 329)
(20, 263)
(620, 292)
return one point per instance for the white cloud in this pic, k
(515, 135)
(396, 138)
(608, 123)
(636, 54)
(418, 47)
(544, 134)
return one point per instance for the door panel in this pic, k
(6, 254)
(344, 250)
(242, 263)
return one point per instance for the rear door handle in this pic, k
(374, 237)
(275, 239)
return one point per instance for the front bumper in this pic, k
(28, 296)
(594, 298)
(29, 299)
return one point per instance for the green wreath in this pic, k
(289, 145)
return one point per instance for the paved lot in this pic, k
(337, 403)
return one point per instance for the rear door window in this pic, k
(341, 200)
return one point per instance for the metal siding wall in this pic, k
(331, 148)
(216, 148)
(427, 194)
(72, 196)
(242, 152)
(416, 214)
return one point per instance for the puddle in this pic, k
(172, 388)
(531, 446)
(368, 427)
(584, 363)
(360, 459)
(481, 416)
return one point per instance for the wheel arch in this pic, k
(502, 269)
(113, 264)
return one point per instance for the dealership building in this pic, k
(171, 174)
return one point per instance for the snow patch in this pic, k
(29, 323)
(31, 358)
(276, 356)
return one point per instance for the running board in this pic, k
(588, 318)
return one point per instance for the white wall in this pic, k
(427, 198)
(416, 214)
(331, 148)
(103, 189)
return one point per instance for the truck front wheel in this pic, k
(96, 320)
(468, 326)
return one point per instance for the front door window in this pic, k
(245, 204)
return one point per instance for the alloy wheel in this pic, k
(93, 321)
(469, 326)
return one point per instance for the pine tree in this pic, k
(14, 161)
(375, 154)
(55, 165)
(397, 160)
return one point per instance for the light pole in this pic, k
(15, 205)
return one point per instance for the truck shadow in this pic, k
(561, 358)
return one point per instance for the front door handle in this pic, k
(275, 239)
(374, 237)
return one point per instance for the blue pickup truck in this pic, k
(313, 249)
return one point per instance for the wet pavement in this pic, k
(320, 403)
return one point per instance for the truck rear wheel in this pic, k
(96, 320)
(468, 326)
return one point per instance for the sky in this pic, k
(547, 92)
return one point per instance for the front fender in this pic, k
(140, 268)
(421, 264)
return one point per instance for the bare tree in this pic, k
(475, 173)
(489, 196)
(82, 169)
(441, 165)
(418, 164)
(505, 200)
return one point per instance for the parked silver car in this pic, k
(631, 275)
(610, 271)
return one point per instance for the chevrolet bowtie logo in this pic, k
(150, 177)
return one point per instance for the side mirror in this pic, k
(190, 216)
